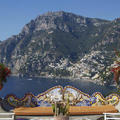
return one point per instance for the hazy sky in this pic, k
(14, 14)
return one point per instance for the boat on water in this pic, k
(29, 79)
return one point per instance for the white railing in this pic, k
(7, 116)
(111, 116)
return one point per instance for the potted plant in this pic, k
(61, 110)
(4, 72)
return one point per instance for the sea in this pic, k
(19, 86)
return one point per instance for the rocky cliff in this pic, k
(61, 44)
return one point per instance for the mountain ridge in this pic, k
(60, 44)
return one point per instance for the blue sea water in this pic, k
(36, 85)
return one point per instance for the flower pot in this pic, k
(61, 117)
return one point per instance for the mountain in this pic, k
(61, 44)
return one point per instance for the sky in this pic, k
(14, 14)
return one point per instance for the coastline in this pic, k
(55, 77)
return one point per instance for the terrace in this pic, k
(82, 105)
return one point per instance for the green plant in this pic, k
(61, 108)
(4, 72)
(116, 68)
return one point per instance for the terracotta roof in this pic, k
(74, 110)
